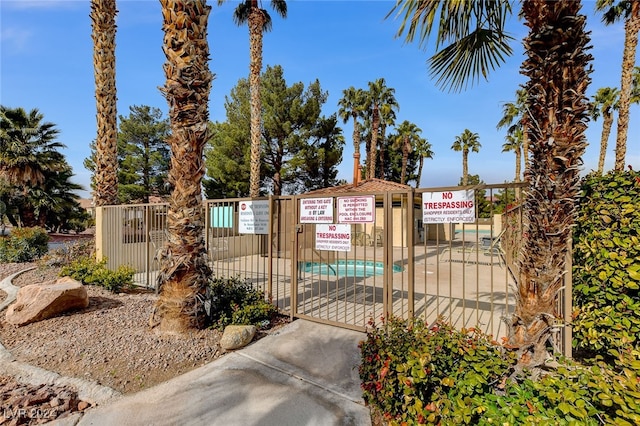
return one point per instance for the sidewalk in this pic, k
(306, 374)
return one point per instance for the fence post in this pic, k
(99, 233)
(568, 301)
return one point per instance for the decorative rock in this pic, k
(36, 302)
(237, 336)
(83, 405)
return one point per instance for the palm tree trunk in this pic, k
(518, 163)
(556, 65)
(256, 24)
(525, 150)
(606, 131)
(421, 164)
(465, 168)
(373, 148)
(103, 17)
(405, 159)
(184, 270)
(631, 30)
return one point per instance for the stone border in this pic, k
(89, 391)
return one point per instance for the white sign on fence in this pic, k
(448, 206)
(357, 209)
(333, 237)
(316, 210)
(253, 217)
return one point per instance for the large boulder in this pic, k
(36, 302)
(237, 336)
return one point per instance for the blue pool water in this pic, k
(348, 268)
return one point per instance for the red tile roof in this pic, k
(368, 185)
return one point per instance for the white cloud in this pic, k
(15, 37)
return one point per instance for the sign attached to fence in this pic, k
(448, 207)
(253, 217)
(316, 210)
(333, 237)
(357, 209)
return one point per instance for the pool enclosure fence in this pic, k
(388, 264)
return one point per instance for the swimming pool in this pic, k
(348, 268)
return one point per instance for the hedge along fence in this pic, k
(606, 266)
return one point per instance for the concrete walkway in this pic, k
(304, 374)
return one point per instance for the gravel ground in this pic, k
(110, 342)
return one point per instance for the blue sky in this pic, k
(46, 63)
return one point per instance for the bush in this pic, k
(606, 265)
(412, 374)
(235, 301)
(24, 245)
(68, 253)
(89, 271)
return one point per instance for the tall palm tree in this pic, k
(184, 270)
(29, 150)
(387, 119)
(424, 150)
(514, 115)
(406, 140)
(377, 96)
(465, 142)
(605, 101)
(514, 143)
(613, 11)
(259, 20)
(556, 66)
(351, 106)
(103, 18)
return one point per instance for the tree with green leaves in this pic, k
(556, 67)
(424, 150)
(379, 97)
(514, 142)
(143, 155)
(612, 12)
(604, 102)
(351, 107)
(250, 12)
(483, 206)
(293, 132)
(466, 142)
(406, 139)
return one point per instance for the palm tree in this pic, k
(103, 18)
(184, 270)
(424, 150)
(465, 142)
(605, 101)
(514, 116)
(556, 65)
(259, 21)
(514, 143)
(406, 139)
(28, 147)
(613, 11)
(377, 96)
(351, 106)
(387, 118)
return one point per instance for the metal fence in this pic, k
(394, 263)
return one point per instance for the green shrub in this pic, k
(418, 374)
(412, 374)
(606, 265)
(235, 301)
(89, 271)
(24, 245)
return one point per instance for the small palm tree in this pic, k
(514, 116)
(466, 142)
(251, 12)
(614, 11)
(514, 143)
(351, 106)
(28, 147)
(605, 101)
(103, 17)
(379, 95)
(424, 150)
(406, 139)
(183, 261)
